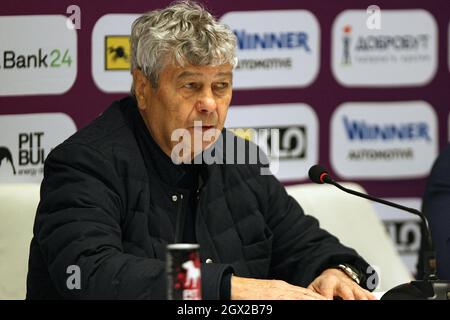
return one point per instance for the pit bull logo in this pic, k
(192, 274)
(6, 154)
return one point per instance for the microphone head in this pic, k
(318, 174)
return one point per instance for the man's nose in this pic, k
(206, 102)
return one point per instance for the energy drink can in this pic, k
(183, 272)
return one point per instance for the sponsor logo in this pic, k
(406, 235)
(41, 57)
(409, 131)
(5, 154)
(363, 131)
(271, 40)
(403, 229)
(346, 39)
(380, 140)
(27, 140)
(397, 42)
(282, 53)
(117, 53)
(192, 280)
(111, 52)
(290, 140)
(399, 53)
(183, 273)
(39, 60)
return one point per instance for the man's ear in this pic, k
(140, 81)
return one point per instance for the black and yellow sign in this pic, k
(117, 53)
(244, 133)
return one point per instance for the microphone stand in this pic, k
(431, 288)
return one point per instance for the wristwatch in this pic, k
(349, 272)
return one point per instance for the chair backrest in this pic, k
(355, 223)
(18, 203)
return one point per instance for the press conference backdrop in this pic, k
(362, 90)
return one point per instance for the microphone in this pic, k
(431, 287)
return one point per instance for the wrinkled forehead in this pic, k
(177, 72)
(213, 58)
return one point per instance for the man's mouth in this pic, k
(204, 127)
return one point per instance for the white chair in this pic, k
(18, 203)
(355, 223)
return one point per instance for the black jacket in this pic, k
(435, 205)
(109, 212)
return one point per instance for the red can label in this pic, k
(183, 272)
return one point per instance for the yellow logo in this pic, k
(244, 133)
(117, 53)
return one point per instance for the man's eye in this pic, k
(191, 85)
(222, 85)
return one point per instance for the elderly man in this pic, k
(115, 193)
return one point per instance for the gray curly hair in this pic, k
(181, 33)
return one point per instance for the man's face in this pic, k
(184, 95)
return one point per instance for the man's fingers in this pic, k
(360, 294)
(314, 296)
(345, 292)
(291, 292)
(311, 292)
(327, 292)
(295, 292)
(333, 282)
(370, 295)
(363, 294)
(306, 297)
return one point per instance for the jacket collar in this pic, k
(154, 157)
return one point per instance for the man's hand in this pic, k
(335, 283)
(258, 289)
